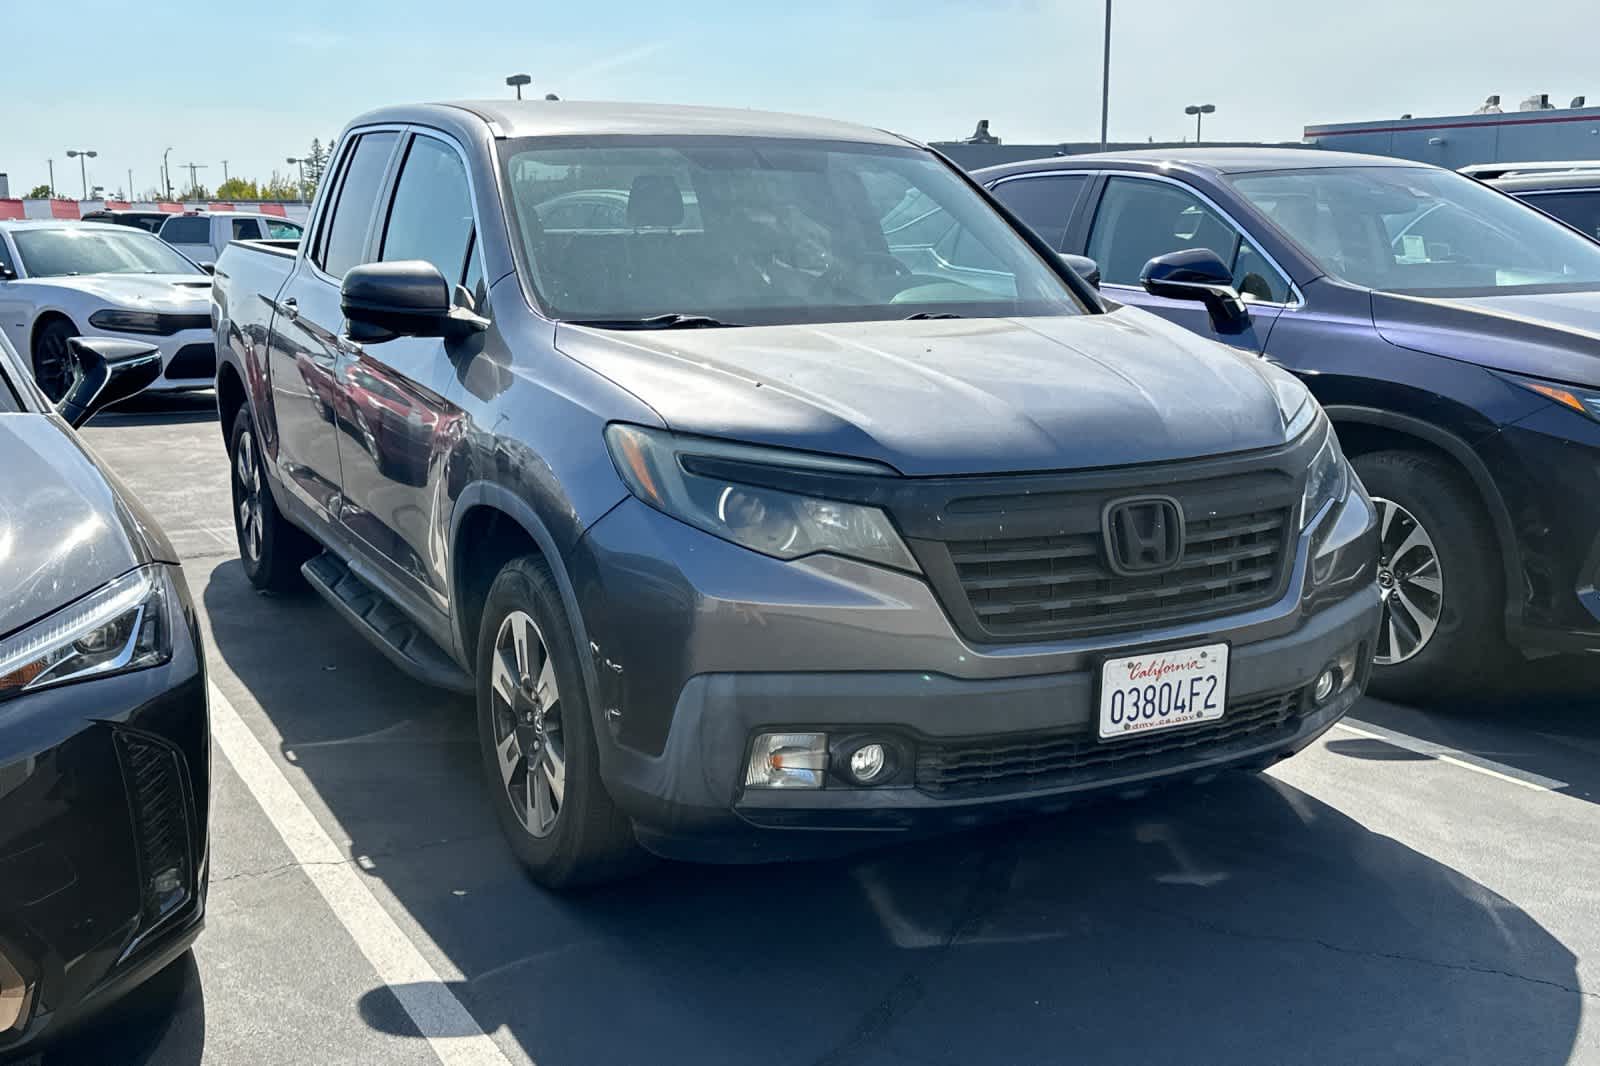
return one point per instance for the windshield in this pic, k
(1424, 231)
(49, 253)
(760, 232)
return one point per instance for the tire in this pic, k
(1427, 509)
(547, 793)
(269, 547)
(52, 362)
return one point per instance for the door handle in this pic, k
(291, 308)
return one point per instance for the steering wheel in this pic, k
(870, 268)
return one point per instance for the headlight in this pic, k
(126, 625)
(1327, 480)
(1294, 401)
(1583, 401)
(128, 321)
(781, 524)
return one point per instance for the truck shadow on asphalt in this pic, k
(161, 1023)
(161, 408)
(1244, 921)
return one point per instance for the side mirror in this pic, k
(208, 266)
(105, 371)
(1083, 266)
(1198, 274)
(7, 274)
(407, 298)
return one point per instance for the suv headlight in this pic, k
(126, 625)
(1583, 401)
(781, 524)
(1327, 480)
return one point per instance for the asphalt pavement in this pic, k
(1421, 886)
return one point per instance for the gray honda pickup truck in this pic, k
(771, 488)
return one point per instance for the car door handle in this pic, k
(291, 308)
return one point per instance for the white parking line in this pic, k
(1455, 757)
(449, 1027)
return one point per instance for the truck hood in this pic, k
(1549, 335)
(66, 526)
(957, 396)
(179, 293)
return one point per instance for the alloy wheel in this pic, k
(52, 365)
(1410, 582)
(527, 724)
(247, 495)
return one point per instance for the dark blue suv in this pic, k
(1452, 334)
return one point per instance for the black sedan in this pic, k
(104, 736)
(1449, 332)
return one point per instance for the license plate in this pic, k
(1162, 689)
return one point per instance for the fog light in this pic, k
(867, 763)
(787, 760)
(1323, 687)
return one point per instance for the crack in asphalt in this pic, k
(988, 891)
(1393, 956)
(355, 860)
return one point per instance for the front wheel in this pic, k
(52, 361)
(540, 755)
(1439, 576)
(269, 547)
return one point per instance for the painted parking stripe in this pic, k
(1464, 759)
(448, 1026)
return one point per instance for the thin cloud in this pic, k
(619, 60)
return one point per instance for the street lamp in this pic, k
(301, 162)
(80, 155)
(1197, 110)
(1105, 81)
(517, 81)
(166, 173)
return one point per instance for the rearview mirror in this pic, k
(1198, 274)
(406, 298)
(105, 371)
(1083, 266)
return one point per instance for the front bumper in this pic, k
(104, 791)
(691, 662)
(188, 357)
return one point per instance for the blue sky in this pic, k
(254, 88)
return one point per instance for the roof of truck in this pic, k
(566, 118)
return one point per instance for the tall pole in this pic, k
(83, 172)
(166, 172)
(194, 180)
(1198, 115)
(131, 195)
(224, 170)
(1105, 82)
(52, 165)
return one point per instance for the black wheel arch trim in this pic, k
(1482, 480)
(514, 507)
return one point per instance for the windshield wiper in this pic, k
(668, 321)
(931, 314)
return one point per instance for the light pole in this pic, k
(166, 173)
(301, 162)
(224, 170)
(51, 163)
(1105, 81)
(1197, 110)
(83, 169)
(131, 196)
(517, 81)
(194, 180)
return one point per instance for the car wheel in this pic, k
(540, 756)
(269, 547)
(1442, 631)
(52, 361)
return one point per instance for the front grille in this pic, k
(1061, 585)
(1044, 760)
(193, 361)
(153, 773)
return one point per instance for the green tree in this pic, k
(39, 192)
(238, 189)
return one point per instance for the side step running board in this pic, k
(382, 623)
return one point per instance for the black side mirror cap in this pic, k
(7, 274)
(1198, 274)
(208, 266)
(104, 372)
(1083, 266)
(405, 298)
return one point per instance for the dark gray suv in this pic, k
(750, 511)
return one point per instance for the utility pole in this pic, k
(1105, 82)
(131, 195)
(52, 164)
(166, 173)
(81, 155)
(301, 162)
(194, 180)
(224, 170)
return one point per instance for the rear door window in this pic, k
(351, 216)
(245, 229)
(431, 218)
(192, 230)
(1044, 202)
(1580, 210)
(279, 230)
